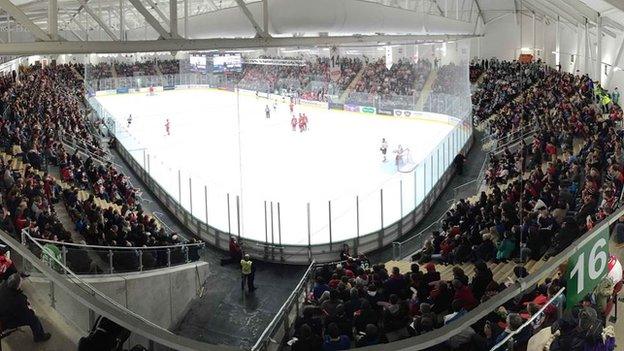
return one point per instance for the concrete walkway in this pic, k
(64, 336)
(224, 315)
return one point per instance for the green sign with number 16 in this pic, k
(587, 267)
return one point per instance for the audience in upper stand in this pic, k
(42, 108)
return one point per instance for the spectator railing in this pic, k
(509, 338)
(97, 303)
(280, 327)
(95, 259)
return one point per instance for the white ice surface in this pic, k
(337, 159)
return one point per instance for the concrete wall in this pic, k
(160, 296)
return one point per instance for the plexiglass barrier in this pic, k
(370, 218)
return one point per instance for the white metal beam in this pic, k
(598, 69)
(151, 20)
(75, 34)
(252, 20)
(74, 47)
(618, 4)
(158, 11)
(573, 18)
(22, 19)
(53, 19)
(583, 9)
(173, 18)
(606, 21)
(618, 58)
(99, 21)
(265, 16)
(186, 16)
(476, 2)
(122, 21)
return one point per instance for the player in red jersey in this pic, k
(293, 123)
(167, 125)
(305, 122)
(151, 90)
(301, 123)
(292, 107)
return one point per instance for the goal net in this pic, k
(404, 162)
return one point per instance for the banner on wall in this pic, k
(385, 112)
(122, 90)
(169, 87)
(367, 109)
(335, 106)
(405, 113)
(351, 108)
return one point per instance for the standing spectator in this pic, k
(15, 310)
(248, 271)
(458, 162)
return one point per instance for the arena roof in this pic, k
(81, 26)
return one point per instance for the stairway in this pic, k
(426, 90)
(77, 74)
(158, 71)
(353, 83)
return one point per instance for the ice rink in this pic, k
(337, 159)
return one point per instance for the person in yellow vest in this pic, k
(248, 270)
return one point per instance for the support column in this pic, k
(587, 50)
(265, 16)
(598, 67)
(173, 18)
(578, 49)
(534, 50)
(558, 43)
(186, 19)
(8, 18)
(122, 35)
(618, 58)
(53, 19)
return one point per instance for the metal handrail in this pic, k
(529, 321)
(86, 246)
(292, 299)
(442, 334)
(96, 301)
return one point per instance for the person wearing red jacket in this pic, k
(7, 267)
(464, 294)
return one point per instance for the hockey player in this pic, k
(399, 154)
(384, 148)
(305, 122)
(267, 111)
(293, 123)
(292, 107)
(301, 123)
(129, 120)
(151, 90)
(274, 105)
(167, 125)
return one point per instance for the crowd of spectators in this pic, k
(100, 71)
(143, 68)
(540, 198)
(503, 81)
(43, 106)
(312, 80)
(169, 66)
(354, 305)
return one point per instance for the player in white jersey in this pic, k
(384, 148)
(267, 111)
(167, 126)
(129, 120)
(399, 154)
